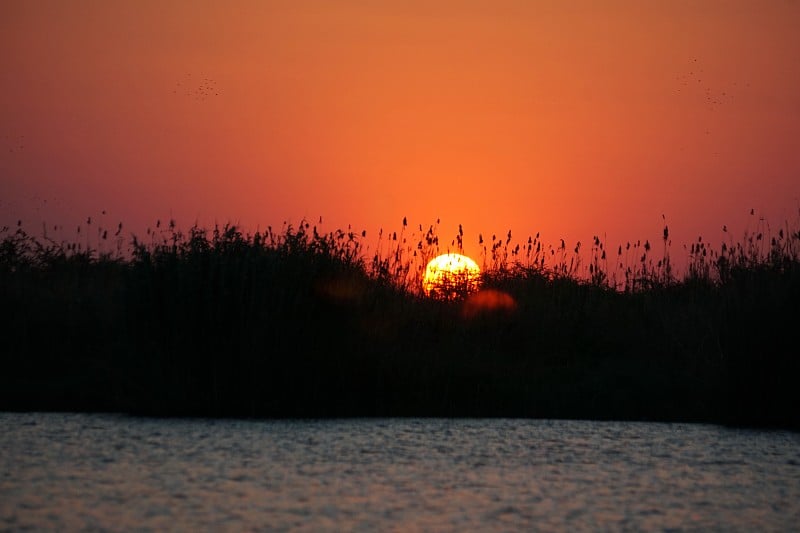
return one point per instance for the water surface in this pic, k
(74, 471)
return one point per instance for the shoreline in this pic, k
(299, 326)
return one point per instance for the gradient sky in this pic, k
(566, 118)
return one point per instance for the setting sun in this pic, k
(451, 276)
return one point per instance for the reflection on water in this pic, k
(101, 471)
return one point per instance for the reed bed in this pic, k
(299, 322)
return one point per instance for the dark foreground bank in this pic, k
(298, 325)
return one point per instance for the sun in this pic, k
(451, 276)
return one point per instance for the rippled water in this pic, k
(113, 472)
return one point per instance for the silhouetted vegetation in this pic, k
(299, 323)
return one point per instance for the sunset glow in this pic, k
(566, 119)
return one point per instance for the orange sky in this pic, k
(591, 118)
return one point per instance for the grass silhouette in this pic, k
(300, 323)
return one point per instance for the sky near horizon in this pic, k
(571, 119)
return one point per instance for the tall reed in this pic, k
(300, 321)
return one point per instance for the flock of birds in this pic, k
(693, 82)
(15, 143)
(196, 88)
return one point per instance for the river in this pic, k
(113, 472)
